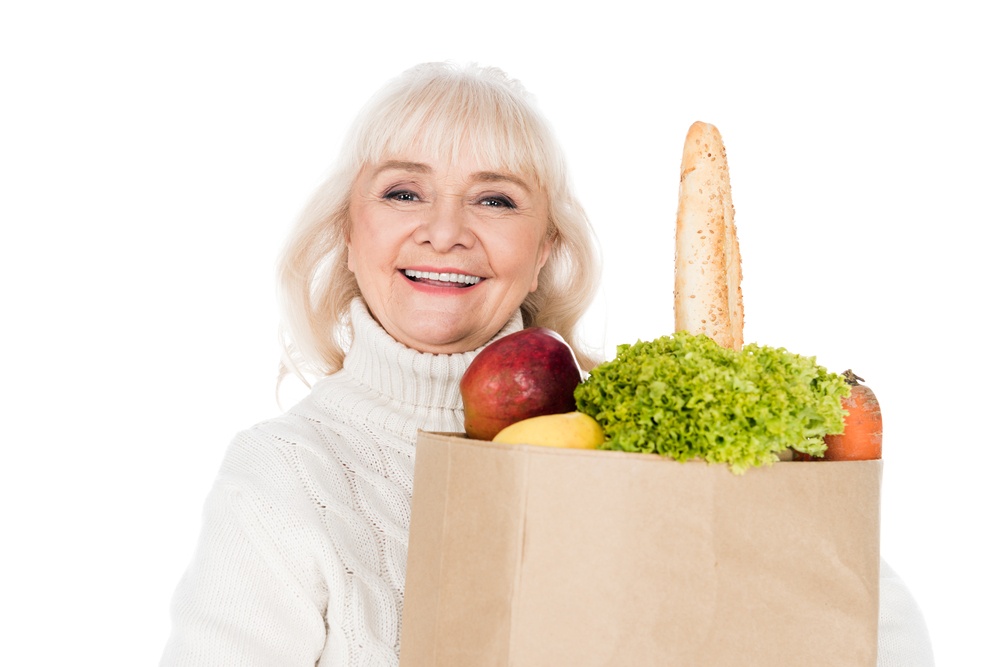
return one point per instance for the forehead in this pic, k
(465, 168)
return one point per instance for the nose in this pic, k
(446, 226)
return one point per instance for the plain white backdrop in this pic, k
(154, 156)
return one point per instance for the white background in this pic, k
(154, 157)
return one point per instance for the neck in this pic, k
(414, 378)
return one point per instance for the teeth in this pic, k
(443, 277)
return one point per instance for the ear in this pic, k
(544, 251)
(350, 255)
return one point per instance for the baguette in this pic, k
(707, 296)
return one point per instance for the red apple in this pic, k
(529, 373)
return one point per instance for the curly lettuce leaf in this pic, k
(685, 397)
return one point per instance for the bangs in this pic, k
(451, 114)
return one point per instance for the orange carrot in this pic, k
(861, 439)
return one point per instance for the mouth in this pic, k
(442, 279)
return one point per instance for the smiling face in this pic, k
(444, 252)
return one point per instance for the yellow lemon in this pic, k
(574, 430)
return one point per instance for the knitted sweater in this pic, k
(302, 556)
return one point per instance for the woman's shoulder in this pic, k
(273, 443)
(282, 450)
(268, 477)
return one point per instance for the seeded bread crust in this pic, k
(707, 296)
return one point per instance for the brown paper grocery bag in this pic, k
(524, 556)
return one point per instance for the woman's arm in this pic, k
(903, 640)
(238, 603)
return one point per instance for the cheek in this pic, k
(366, 248)
(522, 255)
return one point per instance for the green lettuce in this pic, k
(684, 396)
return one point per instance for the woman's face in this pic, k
(444, 253)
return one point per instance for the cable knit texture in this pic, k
(302, 556)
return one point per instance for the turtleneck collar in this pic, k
(393, 369)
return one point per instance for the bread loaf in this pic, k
(707, 296)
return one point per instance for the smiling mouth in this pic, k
(446, 279)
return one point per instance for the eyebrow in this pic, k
(422, 168)
(493, 176)
(404, 166)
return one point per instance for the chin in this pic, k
(438, 335)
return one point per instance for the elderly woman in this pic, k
(448, 222)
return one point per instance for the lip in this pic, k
(441, 288)
(441, 269)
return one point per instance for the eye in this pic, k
(497, 201)
(401, 195)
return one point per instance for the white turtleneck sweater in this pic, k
(302, 556)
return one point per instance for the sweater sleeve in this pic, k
(903, 640)
(237, 604)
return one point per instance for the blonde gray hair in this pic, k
(441, 109)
